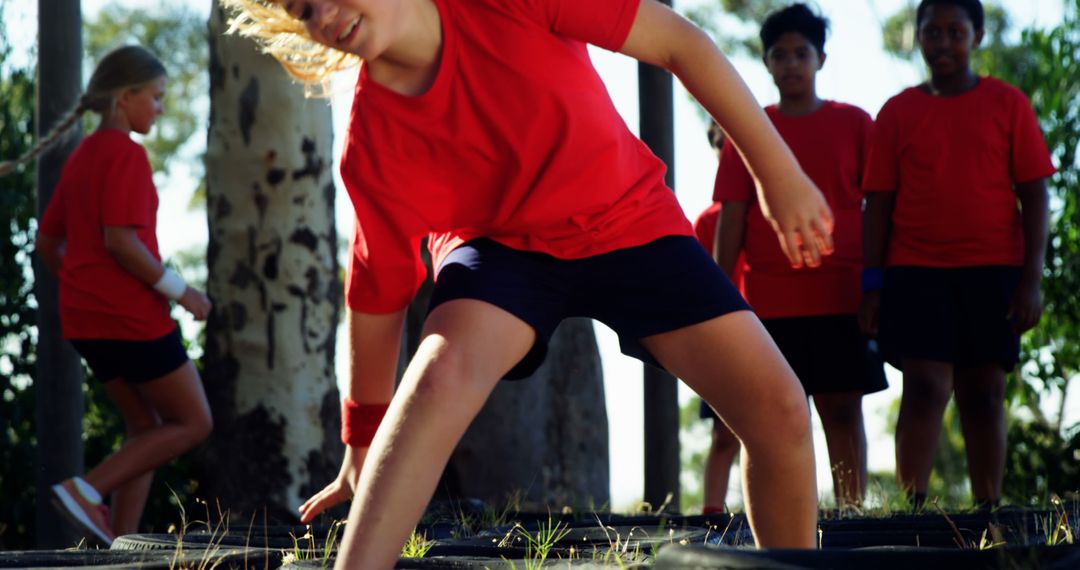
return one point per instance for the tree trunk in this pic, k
(542, 441)
(273, 278)
(58, 378)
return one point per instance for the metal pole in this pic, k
(58, 379)
(656, 109)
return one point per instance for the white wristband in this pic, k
(171, 285)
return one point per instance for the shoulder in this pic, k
(997, 90)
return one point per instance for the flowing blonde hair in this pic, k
(286, 39)
(128, 67)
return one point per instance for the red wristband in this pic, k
(359, 422)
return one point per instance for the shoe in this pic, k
(79, 510)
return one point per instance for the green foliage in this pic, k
(18, 308)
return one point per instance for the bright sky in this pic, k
(857, 71)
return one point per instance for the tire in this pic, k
(136, 560)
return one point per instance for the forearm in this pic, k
(132, 255)
(374, 345)
(710, 77)
(731, 231)
(50, 251)
(877, 227)
(1035, 216)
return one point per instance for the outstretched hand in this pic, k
(801, 218)
(340, 489)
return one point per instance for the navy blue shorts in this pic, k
(136, 361)
(640, 291)
(828, 353)
(955, 315)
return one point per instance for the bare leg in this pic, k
(927, 389)
(735, 366)
(180, 402)
(980, 399)
(722, 450)
(845, 435)
(129, 500)
(467, 346)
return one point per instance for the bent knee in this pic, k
(446, 373)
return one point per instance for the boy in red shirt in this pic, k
(810, 314)
(953, 266)
(483, 124)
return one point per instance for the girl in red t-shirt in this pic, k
(953, 266)
(98, 236)
(483, 124)
(810, 314)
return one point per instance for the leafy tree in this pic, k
(18, 309)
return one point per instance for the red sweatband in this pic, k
(359, 422)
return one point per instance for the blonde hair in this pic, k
(286, 39)
(122, 68)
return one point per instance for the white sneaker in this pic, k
(81, 511)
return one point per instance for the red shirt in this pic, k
(953, 163)
(517, 140)
(830, 145)
(107, 181)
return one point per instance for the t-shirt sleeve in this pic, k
(385, 270)
(603, 23)
(733, 180)
(882, 173)
(129, 195)
(1030, 158)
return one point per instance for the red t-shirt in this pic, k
(830, 145)
(953, 163)
(107, 181)
(517, 140)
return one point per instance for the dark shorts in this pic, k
(136, 361)
(954, 315)
(828, 353)
(640, 291)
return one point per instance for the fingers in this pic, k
(330, 495)
(792, 246)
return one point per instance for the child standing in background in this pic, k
(98, 235)
(810, 314)
(723, 445)
(952, 265)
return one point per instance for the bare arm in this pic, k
(50, 250)
(877, 229)
(124, 245)
(374, 344)
(794, 206)
(1026, 305)
(730, 233)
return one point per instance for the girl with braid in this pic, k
(98, 236)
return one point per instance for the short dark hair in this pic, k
(795, 18)
(974, 9)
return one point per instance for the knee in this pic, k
(723, 441)
(444, 374)
(136, 427)
(198, 427)
(785, 422)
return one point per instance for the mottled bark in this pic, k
(273, 278)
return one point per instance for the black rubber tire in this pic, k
(143, 560)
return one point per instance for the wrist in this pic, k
(170, 285)
(873, 279)
(360, 421)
